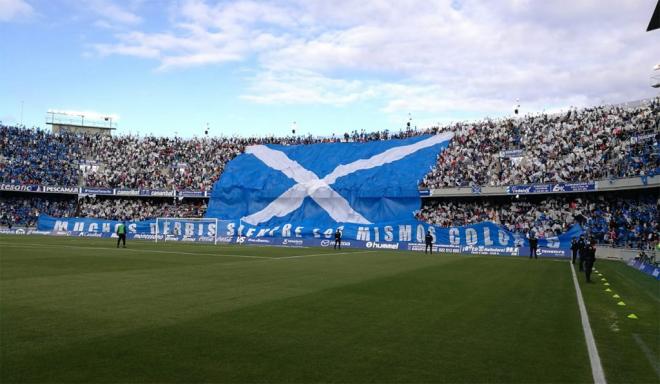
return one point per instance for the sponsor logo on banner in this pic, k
(88, 234)
(146, 236)
(551, 252)
(487, 250)
(191, 193)
(440, 248)
(295, 242)
(259, 241)
(36, 232)
(127, 192)
(225, 239)
(97, 191)
(373, 244)
(157, 192)
(18, 188)
(49, 189)
(547, 188)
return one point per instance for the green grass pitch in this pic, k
(80, 310)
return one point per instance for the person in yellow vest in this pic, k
(121, 234)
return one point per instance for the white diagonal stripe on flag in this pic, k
(389, 156)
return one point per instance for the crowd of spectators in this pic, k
(139, 209)
(619, 219)
(580, 145)
(33, 156)
(25, 210)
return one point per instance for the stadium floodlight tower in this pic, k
(184, 228)
(81, 122)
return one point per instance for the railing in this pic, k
(638, 182)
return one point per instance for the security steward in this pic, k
(581, 245)
(428, 240)
(337, 239)
(574, 248)
(589, 259)
(121, 234)
(533, 246)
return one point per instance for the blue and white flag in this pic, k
(328, 183)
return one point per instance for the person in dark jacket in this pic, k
(337, 239)
(589, 259)
(574, 248)
(533, 246)
(428, 239)
(581, 245)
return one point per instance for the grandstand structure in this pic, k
(80, 122)
(77, 171)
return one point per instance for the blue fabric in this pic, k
(385, 193)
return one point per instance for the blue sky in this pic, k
(255, 67)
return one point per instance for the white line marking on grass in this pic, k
(322, 254)
(596, 367)
(648, 353)
(32, 245)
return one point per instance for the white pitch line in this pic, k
(648, 353)
(596, 367)
(322, 254)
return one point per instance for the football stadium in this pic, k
(307, 192)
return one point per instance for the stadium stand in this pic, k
(628, 219)
(588, 144)
(33, 156)
(24, 210)
(580, 145)
(139, 209)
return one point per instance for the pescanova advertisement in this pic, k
(300, 195)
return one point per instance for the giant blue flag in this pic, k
(325, 184)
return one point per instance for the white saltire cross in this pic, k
(308, 184)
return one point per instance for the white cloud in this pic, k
(112, 15)
(11, 10)
(304, 87)
(414, 55)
